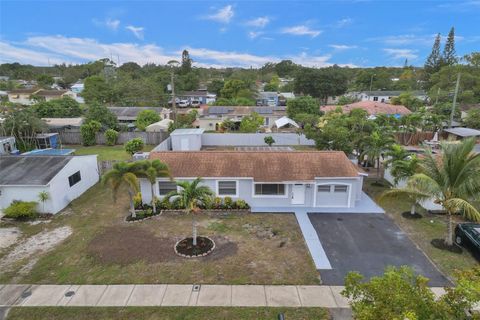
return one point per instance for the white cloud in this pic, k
(405, 39)
(137, 31)
(301, 30)
(259, 22)
(401, 53)
(112, 24)
(341, 47)
(254, 34)
(344, 22)
(223, 15)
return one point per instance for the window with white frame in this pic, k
(324, 188)
(165, 187)
(227, 188)
(269, 189)
(340, 189)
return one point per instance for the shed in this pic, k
(161, 125)
(8, 145)
(46, 140)
(286, 122)
(460, 133)
(187, 139)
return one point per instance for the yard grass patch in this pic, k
(165, 313)
(105, 153)
(422, 231)
(104, 249)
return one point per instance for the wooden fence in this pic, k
(413, 138)
(153, 138)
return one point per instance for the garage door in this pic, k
(334, 195)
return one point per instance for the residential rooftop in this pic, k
(464, 132)
(372, 108)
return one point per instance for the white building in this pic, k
(385, 96)
(65, 178)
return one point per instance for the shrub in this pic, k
(111, 137)
(228, 203)
(241, 204)
(88, 132)
(269, 140)
(217, 203)
(21, 210)
(137, 201)
(133, 146)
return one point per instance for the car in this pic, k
(468, 235)
(195, 103)
(183, 103)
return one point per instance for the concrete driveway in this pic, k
(367, 243)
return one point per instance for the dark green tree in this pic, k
(101, 114)
(186, 66)
(146, 118)
(302, 105)
(449, 56)
(434, 60)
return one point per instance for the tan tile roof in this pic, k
(266, 166)
(372, 107)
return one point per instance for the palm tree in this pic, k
(451, 180)
(151, 170)
(374, 146)
(124, 174)
(396, 152)
(192, 195)
(43, 196)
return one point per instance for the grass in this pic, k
(164, 313)
(105, 152)
(423, 230)
(282, 259)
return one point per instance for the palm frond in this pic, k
(463, 207)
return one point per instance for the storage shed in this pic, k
(187, 139)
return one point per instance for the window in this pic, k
(324, 188)
(340, 189)
(227, 188)
(165, 187)
(271, 189)
(74, 178)
(375, 98)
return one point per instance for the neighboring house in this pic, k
(8, 145)
(22, 96)
(215, 115)
(283, 97)
(49, 95)
(65, 178)
(27, 96)
(267, 98)
(372, 108)
(128, 115)
(461, 133)
(266, 178)
(77, 87)
(385, 96)
(200, 95)
(64, 124)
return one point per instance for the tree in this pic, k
(434, 60)
(321, 83)
(331, 133)
(215, 86)
(251, 123)
(269, 140)
(23, 124)
(285, 68)
(65, 107)
(133, 146)
(452, 181)
(111, 137)
(186, 66)
(183, 121)
(231, 88)
(97, 90)
(449, 56)
(123, 174)
(408, 100)
(375, 146)
(100, 113)
(43, 196)
(401, 294)
(146, 118)
(151, 170)
(192, 195)
(45, 80)
(304, 104)
(473, 118)
(89, 131)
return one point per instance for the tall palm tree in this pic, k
(451, 180)
(151, 170)
(192, 195)
(124, 174)
(395, 153)
(374, 146)
(404, 168)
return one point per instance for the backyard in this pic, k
(422, 231)
(104, 249)
(105, 153)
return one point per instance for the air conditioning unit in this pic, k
(140, 156)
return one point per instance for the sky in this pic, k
(363, 33)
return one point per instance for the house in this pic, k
(65, 178)
(30, 96)
(22, 96)
(8, 145)
(64, 124)
(201, 96)
(372, 108)
(266, 178)
(283, 97)
(267, 98)
(49, 95)
(461, 133)
(215, 115)
(385, 96)
(128, 115)
(77, 87)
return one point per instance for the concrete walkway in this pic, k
(174, 295)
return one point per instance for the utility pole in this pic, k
(438, 94)
(371, 81)
(174, 107)
(455, 99)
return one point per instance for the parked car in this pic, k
(183, 103)
(468, 236)
(177, 101)
(195, 103)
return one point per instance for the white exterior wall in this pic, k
(192, 142)
(21, 99)
(24, 193)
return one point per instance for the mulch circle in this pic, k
(409, 215)
(186, 249)
(440, 244)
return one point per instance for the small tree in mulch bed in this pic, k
(151, 170)
(193, 196)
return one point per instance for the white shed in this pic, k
(65, 178)
(161, 125)
(187, 139)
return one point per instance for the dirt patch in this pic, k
(8, 236)
(126, 245)
(35, 245)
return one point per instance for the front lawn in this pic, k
(105, 152)
(165, 313)
(423, 230)
(103, 249)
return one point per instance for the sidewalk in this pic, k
(174, 295)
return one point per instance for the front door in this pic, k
(298, 194)
(184, 145)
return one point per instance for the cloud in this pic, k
(223, 15)
(42, 50)
(259, 22)
(137, 31)
(112, 24)
(343, 22)
(341, 47)
(254, 34)
(424, 40)
(401, 53)
(301, 30)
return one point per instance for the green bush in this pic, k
(137, 201)
(21, 210)
(241, 204)
(88, 132)
(133, 146)
(227, 203)
(111, 137)
(217, 203)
